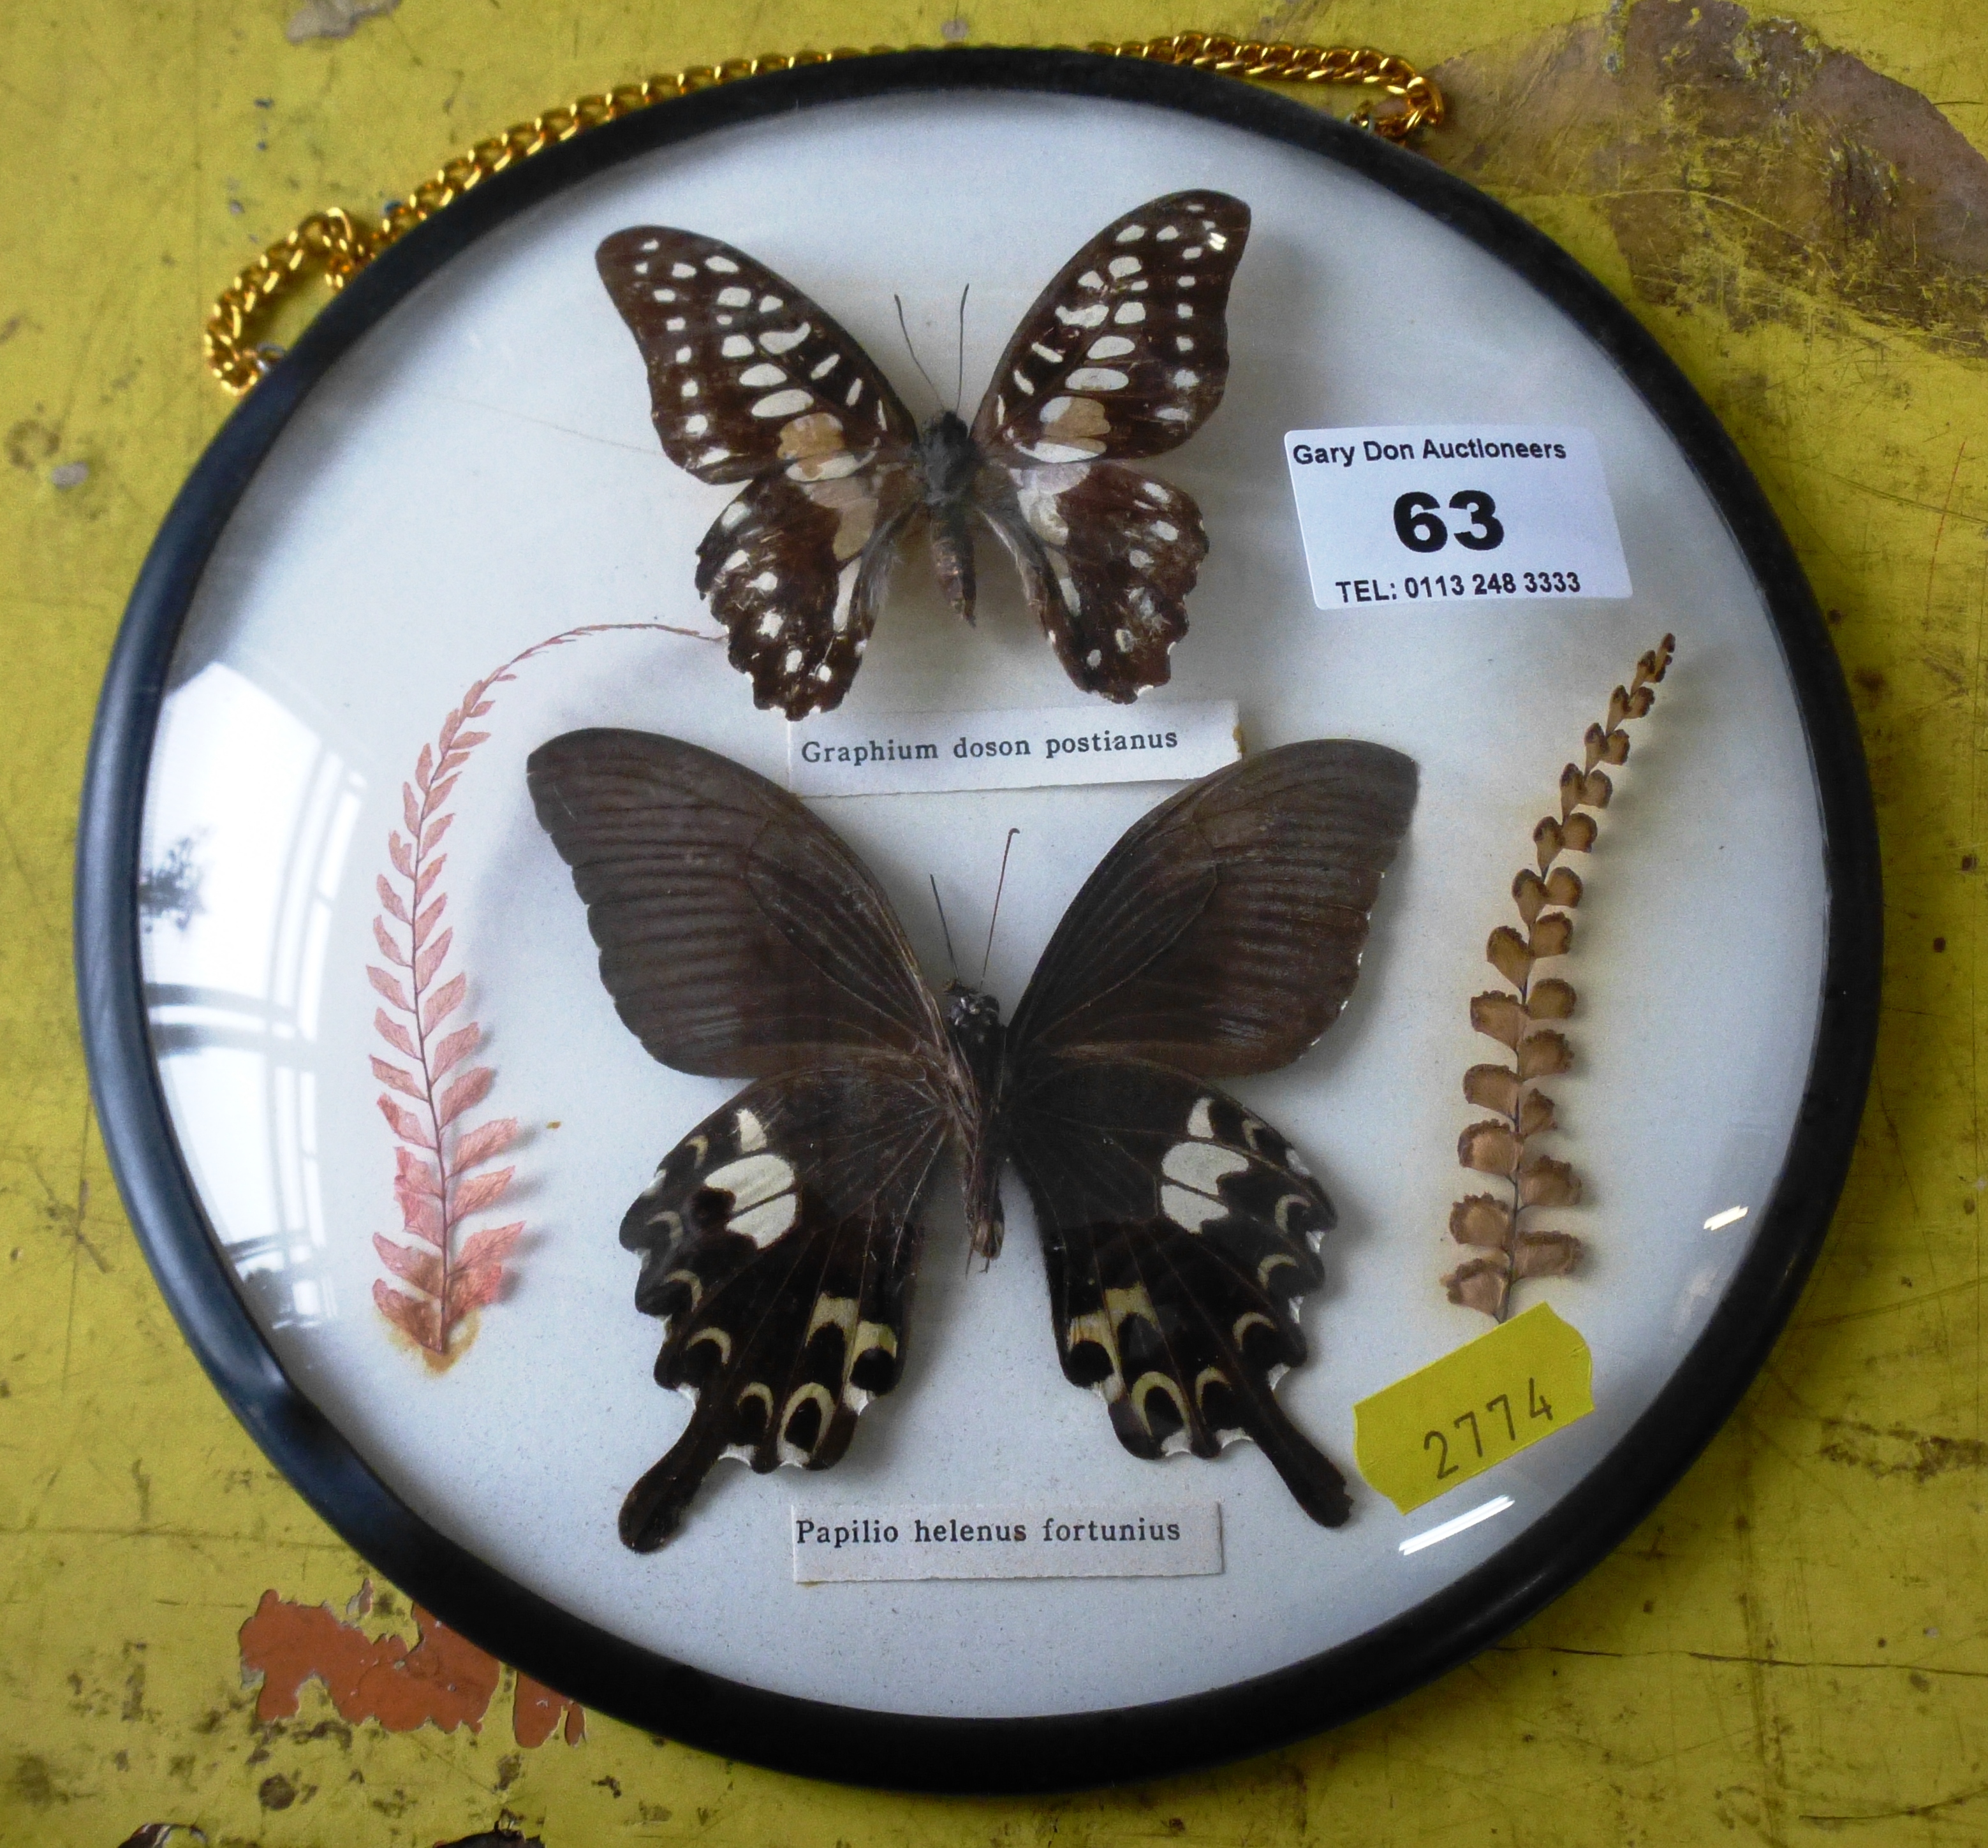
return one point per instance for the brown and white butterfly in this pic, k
(739, 938)
(1123, 357)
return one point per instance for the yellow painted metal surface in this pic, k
(1791, 1649)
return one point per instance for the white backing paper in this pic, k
(844, 753)
(1032, 1540)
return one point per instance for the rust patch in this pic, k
(1900, 1451)
(444, 1680)
(441, 1680)
(537, 1711)
(1746, 167)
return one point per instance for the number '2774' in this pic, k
(1496, 1411)
(1468, 1411)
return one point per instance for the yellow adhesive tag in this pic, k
(1422, 1436)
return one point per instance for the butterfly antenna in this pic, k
(914, 352)
(998, 884)
(944, 930)
(960, 384)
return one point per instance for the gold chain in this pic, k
(338, 247)
(1422, 103)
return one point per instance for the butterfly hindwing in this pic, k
(739, 938)
(1126, 353)
(777, 1240)
(1106, 557)
(1178, 1230)
(795, 571)
(1222, 933)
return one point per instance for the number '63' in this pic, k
(1421, 528)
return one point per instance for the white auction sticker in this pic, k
(1030, 1540)
(1448, 513)
(844, 753)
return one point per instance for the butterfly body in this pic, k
(979, 1043)
(1122, 357)
(948, 464)
(948, 460)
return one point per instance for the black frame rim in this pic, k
(908, 1751)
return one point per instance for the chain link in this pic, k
(338, 247)
(1277, 63)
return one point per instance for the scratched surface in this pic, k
(1791, 1649)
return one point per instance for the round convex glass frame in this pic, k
(1377, 290)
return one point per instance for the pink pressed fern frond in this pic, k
(443, 1270)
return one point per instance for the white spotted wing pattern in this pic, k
(1122, 357)
(1126, 352)
(738, 935)
(750, 381)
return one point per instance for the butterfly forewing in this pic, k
(745, 372)
(1126, 352)
(1222, 933)
(1178, 1231)
(739, 936)
(777, 1241)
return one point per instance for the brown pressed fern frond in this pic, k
(1500, 1227)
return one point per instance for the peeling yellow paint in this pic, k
(1790, 1649)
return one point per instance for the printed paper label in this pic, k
(898, 753)
(1449, 513)
(1032, 1540)
(1493, 1397)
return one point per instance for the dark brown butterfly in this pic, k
(1123, 357)
(739, 938)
